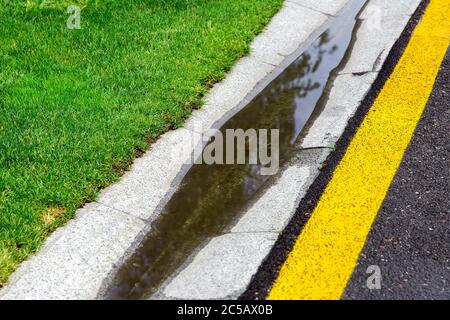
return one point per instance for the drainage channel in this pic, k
(211, 197)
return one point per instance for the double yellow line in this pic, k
(326, 252)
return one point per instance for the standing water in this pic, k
(211, 197)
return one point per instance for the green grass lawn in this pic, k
(76, 106)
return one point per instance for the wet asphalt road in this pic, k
(410, 239)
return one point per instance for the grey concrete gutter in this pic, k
(223, 268)
(77, 258)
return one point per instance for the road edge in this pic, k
(268, 270)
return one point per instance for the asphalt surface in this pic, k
(410, 239)
(414, 218)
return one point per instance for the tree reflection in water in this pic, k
(210, 196)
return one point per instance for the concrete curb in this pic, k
(75, 261)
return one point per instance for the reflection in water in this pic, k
(210, 196)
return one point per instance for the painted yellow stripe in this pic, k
(326, 252)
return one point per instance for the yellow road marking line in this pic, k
(326, 252)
